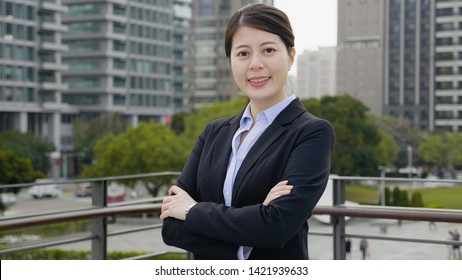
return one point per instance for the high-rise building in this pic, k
(408, 64)
(360, 51)
(316, 73)
(448, 66)
(182, 54)
(31, 68)
(120, 58)
(212, 79)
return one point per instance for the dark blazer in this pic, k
(296, 147)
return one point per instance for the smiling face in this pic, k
(260, 64)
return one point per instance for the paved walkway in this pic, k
(321, 247)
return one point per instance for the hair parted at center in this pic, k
(263, 17)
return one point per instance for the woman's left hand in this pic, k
(176, 204)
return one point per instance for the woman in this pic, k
(252, 180)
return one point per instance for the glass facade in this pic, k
(409, 63)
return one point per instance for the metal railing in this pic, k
(100, 214)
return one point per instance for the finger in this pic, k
(281, 188)
(164, 208)
(282, 183)
(166, 199)
(173, 190)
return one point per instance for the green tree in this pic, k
(416, 199)
(150, 147)
(396, 195)
(88, 130)
(25, 145)
(388, 197)
(15, 170)
(405, 135)
(387, 150)
(444, 150)
(178, 122)
(404, 199)
(357, 137)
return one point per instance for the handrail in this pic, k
(83, 214)
(389, 212)
(437, 215)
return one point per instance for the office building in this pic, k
(31, 67)
(408, 63)
(360, 51)
(316, 73)
(212, 79)
(448, 66)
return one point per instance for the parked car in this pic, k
(8, 199)
(83, 191)
(46, 190)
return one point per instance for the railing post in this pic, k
(338, 222)
(99, 225)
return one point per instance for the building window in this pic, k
(30, 74)
(82, 99)
(118, 99)
(84, 9)
(119, 10)
(80, 64)
(9, 72)
(119, 28)
(119, 81)
(118, 63)
(83, 82)
(118, 46)
(30, 13)
(84, 27)
(84, 46)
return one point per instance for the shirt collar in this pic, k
(269, 114)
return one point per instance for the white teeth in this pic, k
(259, 80)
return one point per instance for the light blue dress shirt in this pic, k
(239, 150)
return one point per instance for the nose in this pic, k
(256, 63)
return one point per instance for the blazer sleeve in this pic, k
(272, 226)
(173, 230)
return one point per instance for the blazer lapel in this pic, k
(271, 134)
(221, 154)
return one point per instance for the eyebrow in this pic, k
(262, 44)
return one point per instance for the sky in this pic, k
(314, 23)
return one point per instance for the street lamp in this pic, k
(409, 160)
(382, 185)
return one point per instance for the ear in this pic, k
(292, 57)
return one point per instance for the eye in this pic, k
(269, 50)
(242, 54)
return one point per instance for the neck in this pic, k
(257, 106)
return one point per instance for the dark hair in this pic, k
(262, 17)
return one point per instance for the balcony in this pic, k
(393, 232)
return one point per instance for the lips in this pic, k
(259, 81)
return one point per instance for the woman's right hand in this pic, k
(281, 188)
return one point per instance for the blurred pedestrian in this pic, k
(364, 247)
(348, 248)
(450, 249)
(456, 247)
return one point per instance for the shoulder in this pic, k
(296, 114)
(219, 123)
(310, 123)
(214, 126)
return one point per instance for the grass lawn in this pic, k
(442, 197)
